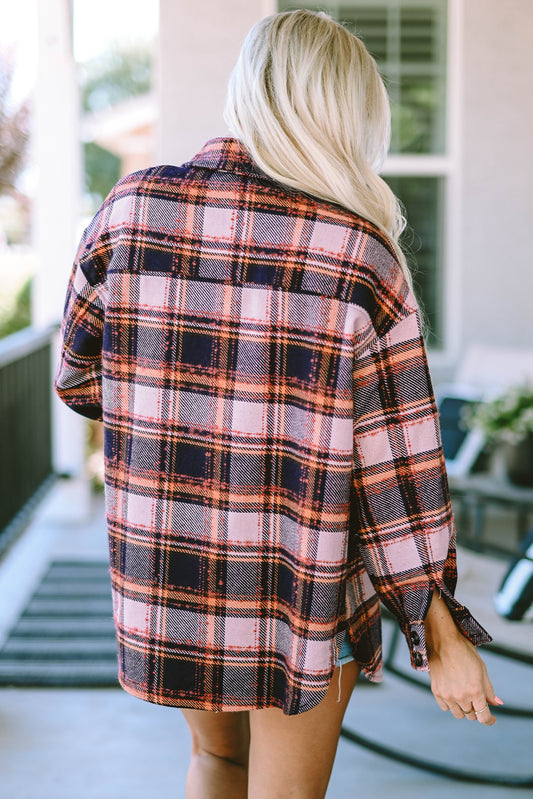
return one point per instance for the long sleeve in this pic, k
(78, 380)
(401, 503)
(79, 376)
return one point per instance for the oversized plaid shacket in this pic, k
(272, 453)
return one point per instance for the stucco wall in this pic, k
(497, 173)
(197, 53)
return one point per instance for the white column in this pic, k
(199, 44)
(57, 152)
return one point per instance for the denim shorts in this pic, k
(345, 654)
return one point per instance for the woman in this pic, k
(245, 327)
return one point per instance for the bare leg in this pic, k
(291, 757)
(219, 760)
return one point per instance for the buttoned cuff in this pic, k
(414, 631)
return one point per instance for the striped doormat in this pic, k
(65, 637)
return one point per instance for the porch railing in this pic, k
(25, 422)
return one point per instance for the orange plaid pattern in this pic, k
(273, 458)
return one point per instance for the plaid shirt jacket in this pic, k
(272, 452)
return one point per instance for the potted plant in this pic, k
(507, 422)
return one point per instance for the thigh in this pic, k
(292, 756)
(225, 735)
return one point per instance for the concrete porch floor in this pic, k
(95, 744)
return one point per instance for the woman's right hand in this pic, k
(459, 678)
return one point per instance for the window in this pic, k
(423, 197)
(408, 39)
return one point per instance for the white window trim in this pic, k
(448, 167)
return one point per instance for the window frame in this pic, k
(447, 167)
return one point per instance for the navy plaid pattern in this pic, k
(273, 458)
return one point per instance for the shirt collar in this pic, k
(225, 154)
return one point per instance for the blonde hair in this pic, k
(306, 100)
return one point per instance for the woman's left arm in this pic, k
(78, 380)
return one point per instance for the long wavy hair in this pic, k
(306, 100)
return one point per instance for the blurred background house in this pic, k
(459, 73)
(93, 89)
